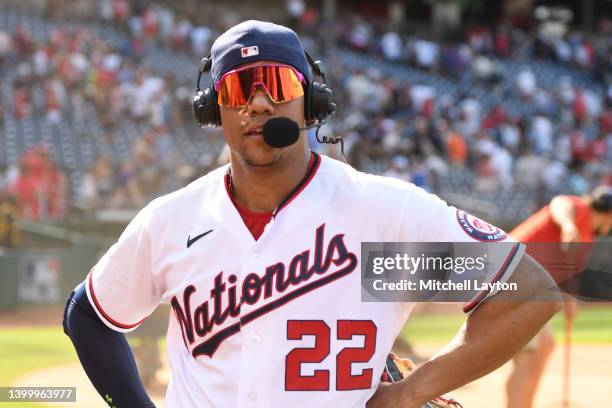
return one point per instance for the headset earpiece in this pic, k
(205, 108)
(317, 103)
(318, 106)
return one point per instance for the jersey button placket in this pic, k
(248, 394)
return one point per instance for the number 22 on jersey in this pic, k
(319, 381)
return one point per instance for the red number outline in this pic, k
(296, 330)
(347, 356)
(319, 381)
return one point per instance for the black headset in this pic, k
(318, 107)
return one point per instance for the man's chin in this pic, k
(263, 161)
(263, 165)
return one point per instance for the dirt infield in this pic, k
(31, 317)
(590, 377)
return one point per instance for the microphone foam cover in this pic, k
(281, 132)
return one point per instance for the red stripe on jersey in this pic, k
(102, 312)
(497, 277)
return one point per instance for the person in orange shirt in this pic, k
(456, 148)
(566, 219)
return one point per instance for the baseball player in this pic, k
(260, 261)
(566, 219)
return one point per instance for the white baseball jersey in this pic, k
(301, 336)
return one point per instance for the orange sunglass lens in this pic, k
(281, 83)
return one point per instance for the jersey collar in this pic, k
(313, 166)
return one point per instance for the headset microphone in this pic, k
(282, 132)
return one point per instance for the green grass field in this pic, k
(27, 349)
(593, 325)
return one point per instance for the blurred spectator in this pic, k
(150, 24)
(96, 186)
(510, 136)
(541, 134)
(127, 192)
(360, 34)
(426, 53)
(391, 45)
(180, 34)
(200, 38)
(105, 10)
(526, 83)
(145, 165)
(9, 216)
(553, 173)
(528, 167)
(295, 10)
(501, 161)
(456, 148)
(469, 116)
(21, 102)
(140, 92)
(399, 168)
(488, 177)
(485, 70)
(420, 176)
(121, 11)
(455, 60)
(5, 48)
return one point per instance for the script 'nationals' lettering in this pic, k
(304, 272)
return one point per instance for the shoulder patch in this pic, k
(479, 229)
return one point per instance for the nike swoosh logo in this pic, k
(191, 241)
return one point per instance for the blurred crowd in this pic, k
(560, 140)
(74, 66)
(424, 135)
(398, 127)
(477, 48)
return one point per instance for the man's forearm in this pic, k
(492, 334)
(481, 347)
(104, 354)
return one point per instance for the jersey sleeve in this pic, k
(427, 218)
(120, 287)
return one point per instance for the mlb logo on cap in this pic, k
(260, 40)
(249, 51)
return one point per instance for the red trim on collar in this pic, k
(313, 166)
(242, 210)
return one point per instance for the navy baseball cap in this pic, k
(254, 40)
